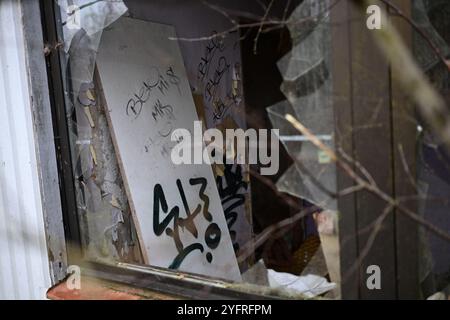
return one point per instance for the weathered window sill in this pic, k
(95, 289)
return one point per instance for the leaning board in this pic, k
(177, 209)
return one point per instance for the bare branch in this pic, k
(367, 186)
(262, 25)
(422, 33)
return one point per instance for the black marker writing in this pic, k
(211, 87)
(214, 45)
(229, 186)
(155, 81)
(212, 235)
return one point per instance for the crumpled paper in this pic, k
(311, 285)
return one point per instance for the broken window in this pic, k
(268, 144)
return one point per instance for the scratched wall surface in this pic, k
(24, 266)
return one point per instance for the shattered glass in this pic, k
(308, 89)
(309, 178)
(106, 224)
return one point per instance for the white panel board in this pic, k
(177, 209)
(211, 65)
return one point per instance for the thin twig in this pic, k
(362, 182)
(221, 11)
(266, 14)
(248, 249)
(422, 33)
(369, 244)
(406, 168)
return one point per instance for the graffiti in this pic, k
(164, 113)
(156, 81)
(212, 85)
(172, 222)
(231, 185)
(213, 46)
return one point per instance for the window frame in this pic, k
(147, 277)
(404, 280)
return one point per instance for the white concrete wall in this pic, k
(24, 266)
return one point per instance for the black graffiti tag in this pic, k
(214, 45)
(212, 235)
(155, 81)
(229, 187)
